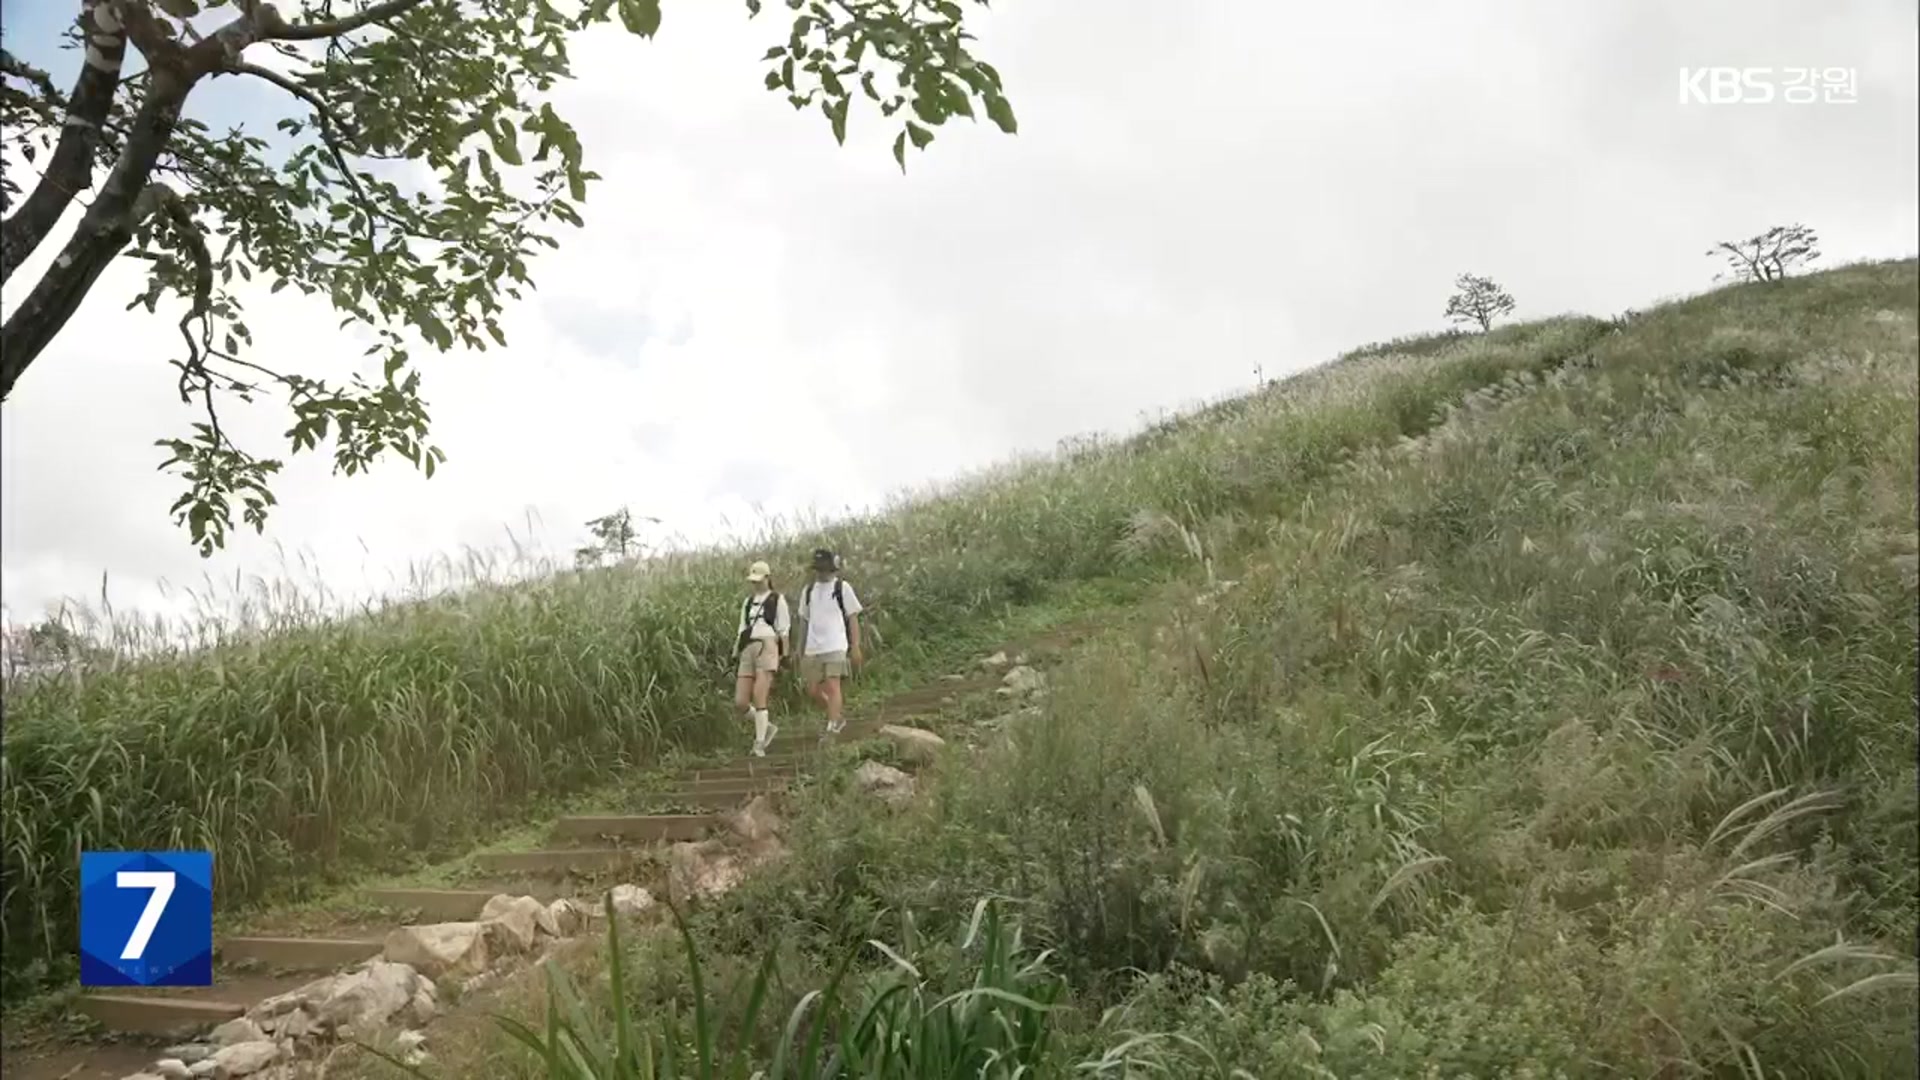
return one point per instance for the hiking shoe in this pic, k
(835, 727)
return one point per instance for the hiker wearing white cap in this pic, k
(829, 626)
(764, 622)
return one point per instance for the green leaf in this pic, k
(920, 136)
(837, 115)
(505, 144)
(900, 150)
(1000, 111)
(641, 17)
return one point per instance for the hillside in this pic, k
(1558, 718)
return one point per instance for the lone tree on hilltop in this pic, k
(613, 534)
(1770, 255)
(1478, 301)
(396, 184)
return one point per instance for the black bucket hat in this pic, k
(824, 559)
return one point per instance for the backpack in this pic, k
(769, 610)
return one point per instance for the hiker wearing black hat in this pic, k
(829, 628)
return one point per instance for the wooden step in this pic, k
(712, 798)
(186, 1011)
(792, 742)
(643, 828)
(170, 1017)
(433, 905)
(729, 773)
(559, 862)
(299, 954)
(733, 784)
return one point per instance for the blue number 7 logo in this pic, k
(146, 918)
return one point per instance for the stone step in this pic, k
(559, 863)
(643, 828)
(299, 954)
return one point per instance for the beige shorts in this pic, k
(818, 667)
(759, 655)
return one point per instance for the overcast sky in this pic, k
(755, 321)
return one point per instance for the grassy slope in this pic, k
(1456, 771)
(1567, 739)
(325, 746)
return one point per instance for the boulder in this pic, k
(630, 900)
(997, 662)
(171, 1069)
(240, 1029)
(363, 999)
(890, 784)
(519, 920)
(756, 821)
(568, 917)
(189, 1053)
(916, 745)
(243, 1058)
(357, 1000)
(436, 949)
(1022, 681)
(702, 869)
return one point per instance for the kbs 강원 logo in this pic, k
(146, 918)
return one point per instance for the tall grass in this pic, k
(896, 1027)
(1572, 735)
(298, 750)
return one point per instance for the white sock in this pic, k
(760, 725)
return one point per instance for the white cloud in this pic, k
(755, 316)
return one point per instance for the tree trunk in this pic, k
(70, 170)
(103, 232)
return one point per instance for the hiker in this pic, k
(764, 622)
(829, 630)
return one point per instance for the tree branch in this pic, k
(104, 230)
(337, 27)
(70, 170)
(330, 126)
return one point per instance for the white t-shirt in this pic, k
(826, 630)
(751, 609)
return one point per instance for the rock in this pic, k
(631, 900)
(409, 1040)
(890, 784)
(189, 1052)
(956, 677)
(756, 821)
(140, 1076)
(422, 1007)
(243, 1058)
(367, 998)
(915, 744)
(297, 1023)
(521, 919)
(1022, 681)
(444, 948)
(701, 870)
(568, 917)
(997, 662)
(171, 1069)
(238, 1030)
(356, 1000)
